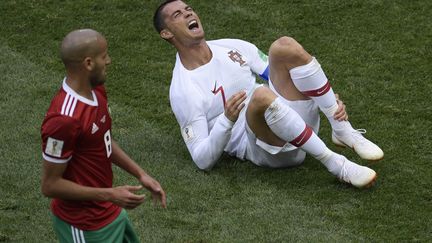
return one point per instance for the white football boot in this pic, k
(354, 139)
(352, 173)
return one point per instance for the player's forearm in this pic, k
(122, 160)
(208, 151)
(68, 190)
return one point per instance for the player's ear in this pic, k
(166, 34)
(88, 63)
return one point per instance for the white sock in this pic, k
(311, 80)
(335, 124)
(333, 163)
(289, 126)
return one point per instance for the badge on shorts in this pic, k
(188, 133)
(54, 147)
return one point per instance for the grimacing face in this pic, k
(182, 23)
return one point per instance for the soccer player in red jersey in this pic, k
(78, 151)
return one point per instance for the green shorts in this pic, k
(120, 230)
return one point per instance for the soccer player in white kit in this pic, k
(220, 106)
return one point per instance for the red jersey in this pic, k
(77, 131)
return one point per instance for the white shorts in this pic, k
(262, 154)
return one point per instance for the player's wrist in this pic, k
(225, 121)
(107, 194)
(142, 177)
(147, 181)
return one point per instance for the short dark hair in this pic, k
(158, 21)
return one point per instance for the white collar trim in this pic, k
(72, 92)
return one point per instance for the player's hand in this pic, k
(125, 196)
(340, 114)
(155, 188)
(234, 105)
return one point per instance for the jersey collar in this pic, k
(72, 92)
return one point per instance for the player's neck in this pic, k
(193, 57)
(82, 88)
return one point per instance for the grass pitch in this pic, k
(377, 55)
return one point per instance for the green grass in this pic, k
(377, 54)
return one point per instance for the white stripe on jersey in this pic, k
(54, 160)
(72, 109)
(68, 106)
(64, 104)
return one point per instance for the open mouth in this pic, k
(193, 25)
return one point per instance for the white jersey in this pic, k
(198, 97)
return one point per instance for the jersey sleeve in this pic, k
(59, 134)
(205, 147)
(258, 60)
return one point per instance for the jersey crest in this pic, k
(236, 57)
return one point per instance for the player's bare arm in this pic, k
(121, 159)
(234, 105)
(55, 186)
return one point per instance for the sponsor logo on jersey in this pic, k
(236, 57)
(95, 128)
(54, 147)
(103, 119)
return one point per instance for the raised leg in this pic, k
(296, 75)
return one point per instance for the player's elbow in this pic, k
(204, 159)
(46, 189)
(203, 166)
(204, 163)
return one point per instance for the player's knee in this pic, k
(288, 48)
(262, 98)
(286, 41)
